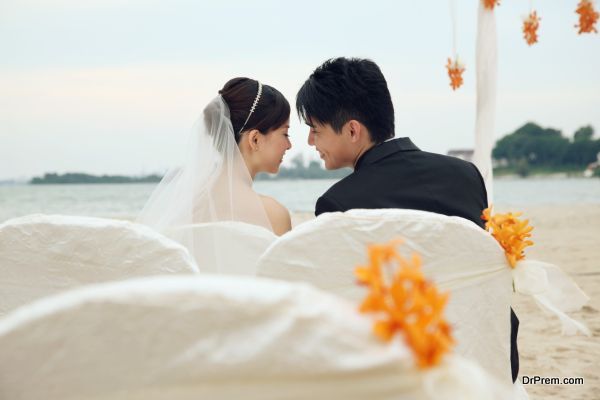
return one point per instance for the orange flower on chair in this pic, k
(510, 232)
(530, 27)
(588, 17)
(455, 71)
(406, 302)
(490, 4)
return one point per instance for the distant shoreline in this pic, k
(496, 178)
(284, 175)
(81, 178)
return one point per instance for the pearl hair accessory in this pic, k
(256, 100)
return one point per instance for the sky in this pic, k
(114, 87)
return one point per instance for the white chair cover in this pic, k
(213, 337)
(43, 254)
(225, 247)
(457, 254)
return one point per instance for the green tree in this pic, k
(538, 146)
(583, 134)
(582, 152)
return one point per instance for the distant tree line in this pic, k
(70, 178)
(298, 170)
(532, 148)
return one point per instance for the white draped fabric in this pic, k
(486, 53)
(458, 255)
(214, 337)
(227, 247)
(553, 291)
(44, 254)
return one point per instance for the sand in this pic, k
(567, 236)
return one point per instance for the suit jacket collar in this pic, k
(383, 150)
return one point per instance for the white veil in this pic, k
(212, 185)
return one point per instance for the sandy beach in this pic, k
(567, 236)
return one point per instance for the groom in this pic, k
(348, 107)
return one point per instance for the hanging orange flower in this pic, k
(530, 27)
(490, 4)
(406, 302)
(588, 17)
(455, 71)
(510, 232)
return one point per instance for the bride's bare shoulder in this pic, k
(279, 216)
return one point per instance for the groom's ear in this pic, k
(355, 130)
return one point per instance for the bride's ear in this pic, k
(253, 138)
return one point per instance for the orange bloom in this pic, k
(510, 232)
(588, 17)
(490, 4)
(406, 303)
(530, 27)
(455, 71)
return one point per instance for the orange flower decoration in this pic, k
(588, 17)
(530, 27)
(406, 303)
(455, 71)
(510, 232)
(490, 4)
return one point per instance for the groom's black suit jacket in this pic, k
(396, 174)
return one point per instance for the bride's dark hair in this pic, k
(272, 111)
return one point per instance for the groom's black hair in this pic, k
(342, 89)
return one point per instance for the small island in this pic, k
(76, 177)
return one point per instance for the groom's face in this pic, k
(330, 145)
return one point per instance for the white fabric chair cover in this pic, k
(225, 247)
(213, 337)
(457, 254)
(43, 254)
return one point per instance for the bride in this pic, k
(242, 131)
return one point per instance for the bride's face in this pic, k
(273, 147)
